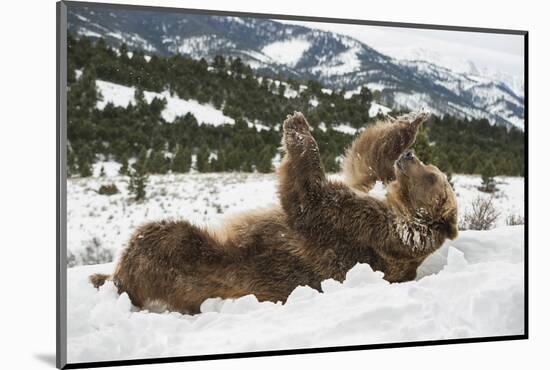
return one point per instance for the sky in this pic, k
(498, 53)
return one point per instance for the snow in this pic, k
(290, 92)
(258, 125)
(343, 63)
(110, 168)
(116, 35)
(373, 86)
(88, 33)
(121, 96)
(472, 287)
(288, 52)
(376, 109)
(82, 18)
(314, 102)
(118, 95)
(197, 46)
(345, 129)
(509, 200)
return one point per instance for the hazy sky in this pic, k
(498, 52)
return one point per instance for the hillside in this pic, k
(123, 104)
(276, 49)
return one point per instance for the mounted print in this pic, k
(235, 184)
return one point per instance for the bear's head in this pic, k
(424, 189)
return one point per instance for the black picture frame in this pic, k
(61, 191)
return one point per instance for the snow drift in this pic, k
(471, 287)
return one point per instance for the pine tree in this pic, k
(123, 170)
(263, 160)
(203, 157)
(488, 183)
(157, 163)
(84, 161)
(282, 89)
(219, 62)
(422, 148)
(181, 162)
(219, 164)
(329, 161)
(72, 168)
(102, 172)
(138, 179)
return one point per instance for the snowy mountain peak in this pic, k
(406, 78)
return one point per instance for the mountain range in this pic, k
(292, 51)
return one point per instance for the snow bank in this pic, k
(472, 287)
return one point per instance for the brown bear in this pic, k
(320, 231)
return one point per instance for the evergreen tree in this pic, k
(84, 161)
(203, 156)
(282, 89)
(123, 170)
(102, 172)
(181, 162)
(219, 164)
(219, 62)
(365, 96)
(329, 162)
(72, 167)
(157, 163)
(263, 160)
(138, 179)
(488, 182)
(422, 147)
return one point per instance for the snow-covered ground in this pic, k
(207, 199)
(471, 287)
(121, 96)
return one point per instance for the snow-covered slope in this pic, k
(472, 287)
(286, 52)
(299, 52)
(121, 96)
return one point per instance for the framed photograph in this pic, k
(236, 184)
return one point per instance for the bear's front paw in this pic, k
(296, 135)
(420, 118)
(296, 122)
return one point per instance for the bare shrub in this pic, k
(482, 215)
(71, 259)
(513, 220)
(108, 189)
(93, 254)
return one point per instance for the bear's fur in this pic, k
(372, 155)
(321, 229)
